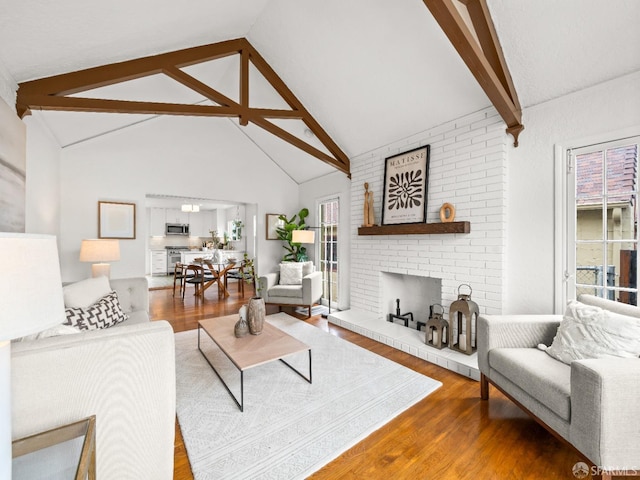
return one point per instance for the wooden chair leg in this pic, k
(309, 316)
(484, 387)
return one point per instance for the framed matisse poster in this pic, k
(406, 177)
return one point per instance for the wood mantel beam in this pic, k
(492, 75)
(52, 94)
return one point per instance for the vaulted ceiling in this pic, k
(370, 72)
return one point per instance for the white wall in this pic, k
(8, 87)
(607, 107)
(336, 184)
(183, 156)
(42, 214)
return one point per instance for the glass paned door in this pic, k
(329, 214)
(604, 221)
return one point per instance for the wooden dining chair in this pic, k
(179, 275)
(195, 277)
(236, 273)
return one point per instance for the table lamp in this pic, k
(100, 252)
(31, 301)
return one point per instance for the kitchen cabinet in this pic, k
(175, 215)
(157, 220)
(201, 223)
(158, 262)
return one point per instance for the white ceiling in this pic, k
(371, 72)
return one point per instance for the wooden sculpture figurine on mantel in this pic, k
(369, 218)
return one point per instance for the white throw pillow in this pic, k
(291, 273)
(86, 292)
(591, 332)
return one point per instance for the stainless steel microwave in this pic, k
(177, 229)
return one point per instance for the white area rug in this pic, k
(289, 428)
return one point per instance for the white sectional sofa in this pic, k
(125, 375)
(593, 404)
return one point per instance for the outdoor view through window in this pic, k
(606, 216)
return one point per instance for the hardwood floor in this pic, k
(451, 434)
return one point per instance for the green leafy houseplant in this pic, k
(295, 251)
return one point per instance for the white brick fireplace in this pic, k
(468, 168)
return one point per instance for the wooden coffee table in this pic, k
(252, 350)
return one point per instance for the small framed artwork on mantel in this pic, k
(117, 220)
(406, 177)
(272, 224)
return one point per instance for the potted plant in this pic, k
(236, 232)
(295, 251)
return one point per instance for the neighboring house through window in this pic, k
(600, 227)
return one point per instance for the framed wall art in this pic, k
(272, 223)
(406, 177)
(117, 220)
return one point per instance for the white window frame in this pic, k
(564, 258)
(318, 246)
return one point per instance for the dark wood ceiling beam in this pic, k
(200, 87)
(79, 104)
(276, 113)
(244, 86)
(50, 94)
(272, 77)
(88, 79)
(490, 44)
(460, 36)
(302, 145)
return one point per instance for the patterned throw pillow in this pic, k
(105, 313)
(291, 273)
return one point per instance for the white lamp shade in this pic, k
(102, 250)
(303, 236)
(30, 283)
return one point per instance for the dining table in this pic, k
(212, 273)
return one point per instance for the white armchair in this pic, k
(277, 289)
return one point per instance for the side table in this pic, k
(86, 467)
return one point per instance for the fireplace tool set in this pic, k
(460, 336)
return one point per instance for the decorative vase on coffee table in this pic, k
(255, 315)
(241, 328)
